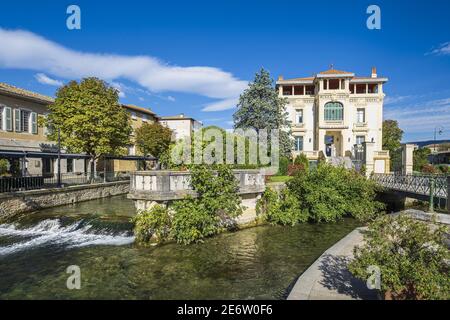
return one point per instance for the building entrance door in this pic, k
(329, 145)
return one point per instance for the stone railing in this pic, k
(381, 154)
(168, 185)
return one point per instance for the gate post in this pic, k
(432, 186)
(407, 158)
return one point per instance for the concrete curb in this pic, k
(328, 278)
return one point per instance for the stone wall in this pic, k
(15, 203)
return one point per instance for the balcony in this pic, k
(313, 155)
(360, 126)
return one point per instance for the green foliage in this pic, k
(412, 257)
(260, 107)
(302, 160)
(153, 139)
(281, 208)
(420, 158)
(193, 219)
(283, 166)
(3, 167)
(212, 141)
(392, 135)
(152, 225)
(90, 118)
(443, 168)
(329, 193)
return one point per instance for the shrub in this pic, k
(152, 225)
(329, 193)
(443, 168)
(412, 257)
(3, 167)
(191, 220)
(428, 168)
(280, 208)
(302, 160)
(283, 168)
(294, 168)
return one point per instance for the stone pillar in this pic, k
(369, 149)
(407, 158)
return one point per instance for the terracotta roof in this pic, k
(300, 79)
(177, 117)
(139, 109)
(18, 92)
(334, 71)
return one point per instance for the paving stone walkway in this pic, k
(328, 278)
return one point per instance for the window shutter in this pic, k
(34, 128)
(8, 119)
(17, 119)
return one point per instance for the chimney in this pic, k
(374, 72)
(280, 78)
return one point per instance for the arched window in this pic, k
(334, 111)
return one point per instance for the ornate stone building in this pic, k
(339, 115)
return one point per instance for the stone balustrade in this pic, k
(148, 188)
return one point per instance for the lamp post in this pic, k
(437, 131)
(58, 183)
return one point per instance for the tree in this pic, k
(420, 158)
(153, 139)
(392, 135)
(90, 119)
(260, 107)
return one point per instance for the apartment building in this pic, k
(23, 141)
(181, 125)
(337, 114)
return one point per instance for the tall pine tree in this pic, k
(260, 107)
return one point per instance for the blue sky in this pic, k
(195, 57)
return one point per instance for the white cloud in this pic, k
(170, 98)
(44, 79)
(421, 117)
(396, 99)
(442, 49)
(221, 105)
(26, 50)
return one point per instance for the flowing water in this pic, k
(256, 263)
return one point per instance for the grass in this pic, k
(279, 178)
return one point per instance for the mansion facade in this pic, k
(338, 115)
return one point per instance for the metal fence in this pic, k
(421, 184)
(11, 184)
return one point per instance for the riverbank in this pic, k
(328, 278)
(15, 203)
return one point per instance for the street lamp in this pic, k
(58, 183)
(437, 131)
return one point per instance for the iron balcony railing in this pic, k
(34, 182)
(421, 184)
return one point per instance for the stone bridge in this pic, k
(148, 188)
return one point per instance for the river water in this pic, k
(256, 263)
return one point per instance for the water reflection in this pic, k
(256, 263)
